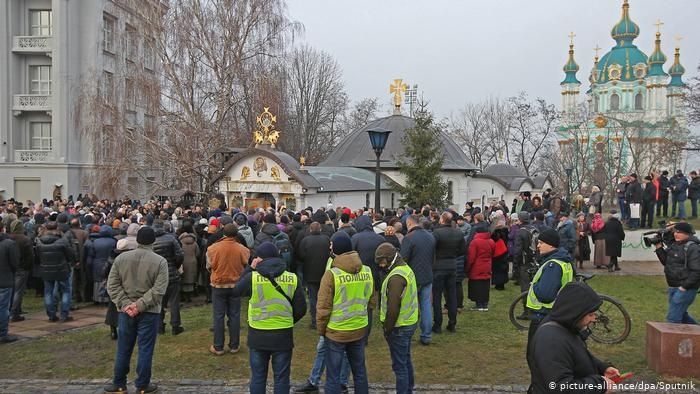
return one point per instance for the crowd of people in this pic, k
(142, 261)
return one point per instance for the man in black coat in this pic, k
(633, 195)
(558, 358)
(418, 251)
(694, 193)
(682, 269)
(9, 264)
(313, 253)
(167, 246)
(55, 255)
(664, 185)
(449, 243)
(648, 201)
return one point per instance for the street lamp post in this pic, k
(568, 170)
(378, 138)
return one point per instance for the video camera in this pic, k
(662, 235)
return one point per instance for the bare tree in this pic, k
(481, 129)
(532, 127)
(361, 113)
(692, 101)
(212, 65)
(317, 100)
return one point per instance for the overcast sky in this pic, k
(464, 51)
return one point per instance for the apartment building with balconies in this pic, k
(56, 58)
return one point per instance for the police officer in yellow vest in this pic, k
(556, 270)
(398, 312)
(341, 315)
(276, 303)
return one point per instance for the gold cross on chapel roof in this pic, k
(397, 89)
(571, 38)
(658, 25)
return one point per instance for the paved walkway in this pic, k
(38, 325)
(76, 386)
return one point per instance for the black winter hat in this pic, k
(266, 250)
(550, 237)
(146, 236)
(684, 227)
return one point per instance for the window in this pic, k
(638, 102)
(40, 80)
(40, 22)
(40, 136)
(107, 144)
(149, 60)
(107, 86)
(596, 103)
(108, 33)
(149, 126)
(450, 192)
(130, 93)
(614, 102)
(132, 43)
(131, 120)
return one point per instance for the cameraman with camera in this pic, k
(681, 260)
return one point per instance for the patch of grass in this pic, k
(485, 350)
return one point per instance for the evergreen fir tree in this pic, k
(422, 164)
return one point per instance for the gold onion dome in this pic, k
(625, 30)
(657, 58)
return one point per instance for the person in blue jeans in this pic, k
(136, 284)
(418, 251)
(9, 264)
(681, 262)
(679, 194)
(398, 312)
(55, 255)
(314, 381)
(276, 303)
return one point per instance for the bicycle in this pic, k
(612, 326)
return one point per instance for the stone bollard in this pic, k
(673, 349)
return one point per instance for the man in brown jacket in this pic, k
(341, 315)
(226, 260)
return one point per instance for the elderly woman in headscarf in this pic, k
(600, 259)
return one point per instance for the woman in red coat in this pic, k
(478, 268)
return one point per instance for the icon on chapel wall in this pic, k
(245, 173)
(260, 165)
(275, 173)
(266, 135)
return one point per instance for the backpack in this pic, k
(282, 243)
(530, 251)
(247, 234)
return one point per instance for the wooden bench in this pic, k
(673, 349)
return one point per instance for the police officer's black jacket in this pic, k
(681, 269)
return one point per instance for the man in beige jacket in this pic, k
(136, 284)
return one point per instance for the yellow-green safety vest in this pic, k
(267, 308)
(409, 298)
(352, 293)
(567, 275)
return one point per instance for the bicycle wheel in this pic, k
(517, 307)
(613, 323)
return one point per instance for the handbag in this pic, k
(634, 211)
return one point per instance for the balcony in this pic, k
(32, 44)
(34, 156)
(31, 102)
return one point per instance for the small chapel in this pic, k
(264, 176)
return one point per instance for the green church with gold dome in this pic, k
(632, 120)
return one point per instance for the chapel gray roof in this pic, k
(355, 149)
(287, 162)
(503, 169)
(334, 179)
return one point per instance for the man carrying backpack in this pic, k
(271, 233)
(525, 251)
(681, 262)
(244, 231)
